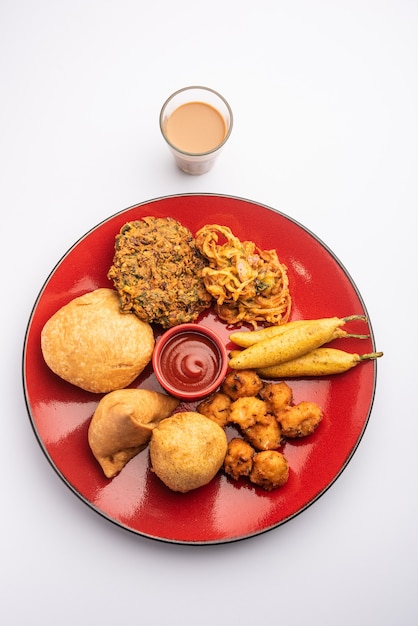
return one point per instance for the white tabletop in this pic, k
(325, 102)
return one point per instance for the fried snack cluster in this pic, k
(265, 415)
(157, 271)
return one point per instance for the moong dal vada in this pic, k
(270, 470)
(90, 343)
(187, 450)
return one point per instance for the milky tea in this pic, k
(196, 127)
(195, 122)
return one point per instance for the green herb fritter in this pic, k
(157, 271)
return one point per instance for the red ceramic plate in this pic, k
(224, 510)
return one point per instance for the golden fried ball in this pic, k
(265, 434)
(187, 450)
(270, 470)
(245, 412)
(300, 420)
(277, 395)
(217, 408)
(239, 458)
(238, 384)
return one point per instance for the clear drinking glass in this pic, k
(193, 133)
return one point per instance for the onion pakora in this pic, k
(249, 284)
(157, 271)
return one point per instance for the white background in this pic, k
(325, 98)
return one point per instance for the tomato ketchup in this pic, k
(190, 361)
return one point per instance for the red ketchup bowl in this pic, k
(190, 361)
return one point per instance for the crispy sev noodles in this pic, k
(248, 284)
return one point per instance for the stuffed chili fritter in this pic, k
(157, 271)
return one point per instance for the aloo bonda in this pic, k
(90, 343)
(187, 450)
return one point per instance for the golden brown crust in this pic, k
(270, 470)
(217, 408)
(157, 271)
(239, 384)
(90, 343)
(123, 423)
(265, 434)
(239, 458)
(300, 420)
(187, 450)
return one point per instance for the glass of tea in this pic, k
(196, 123)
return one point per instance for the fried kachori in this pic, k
(92, 344)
